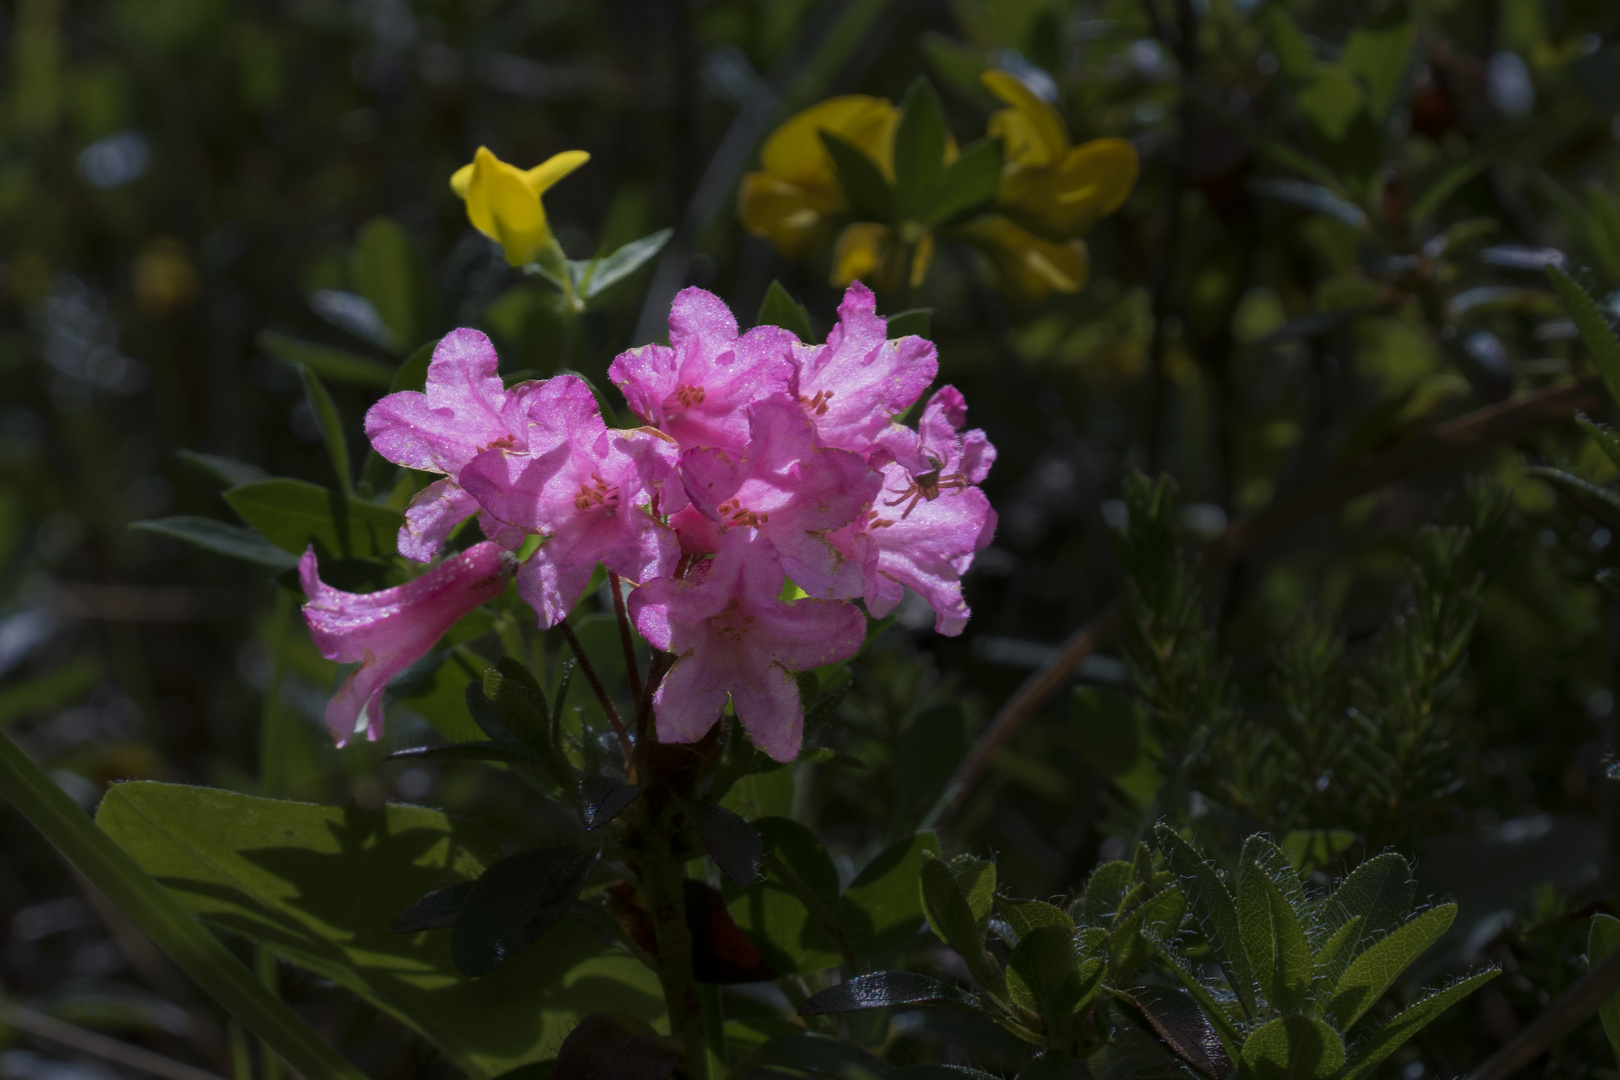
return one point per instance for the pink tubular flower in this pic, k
(388, 631)
(923, 529)
(794, 491)
(593, 493)
(464, 410)
(698, 388)
(859, 381)
(732, 636)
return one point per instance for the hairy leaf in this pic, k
(1184, 1029)
(1214, 909)
(1593, 325)
(1371, 1051)
(1293, 1048)
(1371, 973)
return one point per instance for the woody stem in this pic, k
(601, 692)
(629, 643)
(663, 887)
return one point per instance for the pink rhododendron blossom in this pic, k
(464, 410)
(595, 494)
(733, 637)
(859, 381)
(387, 631)
(794, 491)
(698, 388)
(924, 527)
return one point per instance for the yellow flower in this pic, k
(503, 201)
(795, 197)
(1052, 188)
(1028, 267)
(881, 256)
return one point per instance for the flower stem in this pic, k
(629, 643)
(601, 691)
(664, 889)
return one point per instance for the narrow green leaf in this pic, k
(910, 321)
(1380, 891)
(1263, 144)
(1293, 1048)
(162, 918)
(339, 365)
(881, 989)
(1373, 1049)
(612, 269)
(1604, 238)
(435, 911)
(956, 900)
(331, 427)
(227, 471)
(1601, 434)
(1216, 1013)
(1449, 182)
(221, 538)
(919, 150)
(1292, 49)
(1575, 483)
(818, 1055)
(1333, 957)
(1379, 51)
(1128, 948)
(1602, 940)
(882, 908)
(1214, 909)
(461, 751)
(1375, 970)
(863, 183)
(1593, 325)
(386, 269)
(293, 514)
(1291, 978)
(412, 371)
(780, 309)
(968, 184)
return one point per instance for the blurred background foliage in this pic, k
(1336, 242)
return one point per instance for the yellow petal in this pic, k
(1027, 267)
(1031, 132)
(921, 256)
(859, 254)
(795, 152)
(461, 179)
(796, 220)
(1065, 200)
(501, 206)
(553, 169)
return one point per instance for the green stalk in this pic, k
(663, 887)
(151, 907)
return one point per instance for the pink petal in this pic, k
(769, 710)
(431, 517)
(460, 413)
(685, 707)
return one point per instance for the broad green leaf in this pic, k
(1104, 892)
(910, 321)
(1221, 1021)
(1373, 972)
(956, 900)
(162, 918)
(1373, 1049)
(1380, 890)
(336, 365)
(1312, 849)
(1291, 976)
(1043, 976)
(321, 887)
(293, 514)
(1214, 909)
(1380, 51)
(1293, 1048)
(514, 903)
(1332, 100)
(221, 538)
(608, 271)
(1334, 956)
(1183, 1027)
(227, 471)
(1024, 917)
(919, 150)
(387, 271)
(330, 425)
(1601, 434)
(775, 916)
(1602, 940)
(780, 309)
(1128, 948)
(882, 907)
(1594, 327)
(731, 842)
(869, 194)
(1293, 51)
(967, 184)
(880, 989)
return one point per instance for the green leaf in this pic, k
(968, 184)
(1575, 483)
(1263, 866)
(1601, 940)
(818, 1055)
(337, 365)
(461, 751)
(602, 274)
(1332, 100)
(1334, 956)
(910, 321)
(956, 900)
(780, 309)
(1044, 976)
(1312, 849)
(412, 371)
(868, 193)
(731, 842)
(1594, 327)
(386, 269)
(1219, 1018)
(1380, 51)
(881, 989)
(1373, 1049)
(1128, 948)
(1024, 917)
(331, 427)
(1376, 969)
(1105, 726)
(1214, 909)
(1264, 145)
(602, 798)
(919, 150)
(514, 903)
(882, 907)
(774, 915)
(1052, 1065)
(321, 887)
(293, 514)
(1104, 892)
(1380, 890)
(435, 911)
(50, 689)
(1435, 195)
(227, 471)
(220, 538)
(1183, 1027)
(1601, 434)
(612, 1046)
(1293, 1048)
(127, 883)
(1603, 233)
(1291, 975)
(1293, 51)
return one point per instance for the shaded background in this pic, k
(178, 177)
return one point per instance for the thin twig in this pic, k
(77, 1038)
(1433, 450)
(626, 639)
(1574, 1005)
(601, 691)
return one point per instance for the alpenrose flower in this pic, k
(386, 632)
(763, 460)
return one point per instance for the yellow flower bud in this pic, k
(503, 201)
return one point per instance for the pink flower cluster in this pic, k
(762, 459)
